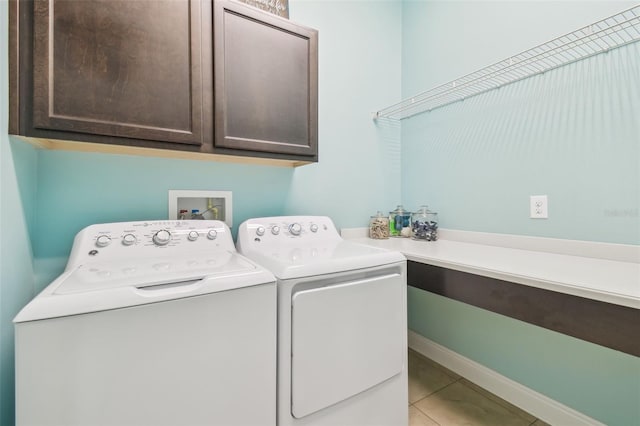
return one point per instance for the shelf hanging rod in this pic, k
(612, 32)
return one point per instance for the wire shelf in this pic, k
(610, 33)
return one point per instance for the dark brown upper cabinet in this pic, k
(266, 83)
(123, 72)
(141, 74)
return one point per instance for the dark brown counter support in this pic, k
(614, 326)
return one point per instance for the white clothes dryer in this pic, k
(152, 323)
(342, 323)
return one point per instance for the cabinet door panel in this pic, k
(119, 68)
(265, 81)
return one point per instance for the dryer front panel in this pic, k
(346, 338)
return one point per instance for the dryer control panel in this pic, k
(131, 240)
(305, 246)
(287, 229)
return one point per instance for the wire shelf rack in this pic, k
(615, 31)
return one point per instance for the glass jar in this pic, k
(399, 222)
(379, 227)
(424, 225)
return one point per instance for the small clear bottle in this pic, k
(424, 224)
(379, 227)
(399, 225)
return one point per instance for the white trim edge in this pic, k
(535, 403)
(592, 249)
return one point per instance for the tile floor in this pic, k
(438, 396)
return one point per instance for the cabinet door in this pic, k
(266, 83)
(127, 69)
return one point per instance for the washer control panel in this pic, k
(286, 230)
(111, 241)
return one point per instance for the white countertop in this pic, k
(609, 281)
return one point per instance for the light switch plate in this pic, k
(539, 207)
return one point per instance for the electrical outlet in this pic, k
(539, 207)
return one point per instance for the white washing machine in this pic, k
(152, 323)
(342, 330)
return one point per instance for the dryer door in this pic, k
(346, 338)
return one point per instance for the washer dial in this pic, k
(103, 241)
(212, 234)
(295, 228)
(193, 235)
(162, 237)
(129, 240)
(260, 231)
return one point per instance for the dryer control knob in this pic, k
(212, 234)
(260, 231)
(103, 241)
(162, 238)
(314, 227)
(193, 235)
(275, 230)
(295, 228)
(129, 240)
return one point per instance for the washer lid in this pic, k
(300, 260)
(111, 285)
(150, 271)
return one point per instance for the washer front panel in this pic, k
(181, 362)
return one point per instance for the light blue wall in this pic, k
(357, 174)
(362, 48)
(78, 189)
(359, 66)
(358, 171)
(599, 382)
(571, 133)
(17, 201)
(359, 70)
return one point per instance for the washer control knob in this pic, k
(162, 237)
(260, 231)
(193, 235)
(212, 234)
(275, 230)
(295, 228)
(314, 227)
(129, 240)
(103, 241)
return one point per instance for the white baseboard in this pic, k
(521, 396)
